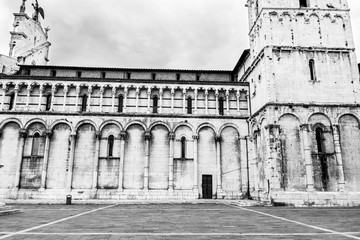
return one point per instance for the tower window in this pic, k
(103, 74)
(312, 70)
(155, 104)
(53, 73)
(12, 101)
(153, 76)
(183, 147)
(128, 75)
(48, 102)
(189, 105)
(121, 104)
(304, 3)
(319, 140)
(221, 106)
(26, 72)
(198, 77)
(178, 76)
(84, 103)
(35, 145)
(78, 74)
(111, 146)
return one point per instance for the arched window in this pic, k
(304, 3)
(256, 7)
(221, 106)
(12, 101)
(312, 70)
(189, 105)
(155, 104)
(322, 158)
(183, 147)
(84, 103)
(35, 144)
(111, 146)
(121, 104)
(48, 102)
(319, 140)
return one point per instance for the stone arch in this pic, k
(209, 125)
(86, 121)
(36, 120)
(319, 115)
(53, 125)
(9, 120)
(111, 122)
(135, 123)
(183, 124)
(337, 121)
(229, 125)
(160, 123)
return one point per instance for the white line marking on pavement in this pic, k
(54, 222)
(181, 234)
(296, 222)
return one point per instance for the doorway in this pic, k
(207, 186)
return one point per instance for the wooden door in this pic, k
(207, 186)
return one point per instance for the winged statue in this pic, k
(38, 10)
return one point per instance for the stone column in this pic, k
(48, 134)
(149, 99)
(308, 161)
(274, 157)
(78, 89)
(217, 101)
(340, 166)
(196, 162)
(123, 136)
(171, 161)
(113, 100)
(238, 102)
(172, 100)
(71, 161)
(125, 99)
(101, 98)
(227, 102)
(89, 99)
(160, 103)
(3, 97)
(184, 101)
(16, 91)
(23, 135)
(218, 140)
(137, 92)
(53, 91)
(28, 97)
(206, 102)
(196, 101)
(147, 160)
(40, 97)
(65, 96)
(96, 161)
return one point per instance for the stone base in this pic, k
(311, 199)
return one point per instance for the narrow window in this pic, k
(79, 74)
(221, 106)
(121, 104)
(53, 73)
(319, 139)
(3, 69)
(48, 102)
(198, 77)
(256, 7)
(178, 76)
(103, 74)
(323, 159)
(312, 70)
(110, 146)
(12, 101)
(128, 75)
(304, 3)
(84, 103)
(26, 72)
(183, 147)
(189, 105)
(35, 145)
(155, 104)
(153, 76)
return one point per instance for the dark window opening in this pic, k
(304, 3)
(53, 73)
(256, 7)
(155, 104)
(153, 76)
(198, 77)
(121, 104)
(48, 102)
(128, 75)
(111, 146)
(79, 74)
(35, 145)
(84, 103)
(189, 105)
(312, 70)
(322, 158)
(183, 147)
(103, 74)
(26, 72)
(319, 140)
(178, 76)
(221, 106)
(12, 101)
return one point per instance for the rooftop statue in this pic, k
(38, 10)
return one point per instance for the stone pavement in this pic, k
(179, 221)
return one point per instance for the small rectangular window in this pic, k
(304, 3)
(79, 74)
(128, 75)
(103, 74)
(26, 72)
(178, 77)
(153, 76)
(198, 77)
(53, 73)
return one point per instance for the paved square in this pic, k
(179, 221)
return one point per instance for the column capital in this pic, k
(90, 90)
(216, 93)
(101, 90)
(98, 134)
(4, 87)
(23, 133)
(48, 133)
(78, 89)
(184, 91)
(335, 127)
(218, 138)
(73, 134)
(147, 135)
(249, 138)
(161, 91)
(29, 87)
(172, 91)
(196, 136)
(305, 127)
(171, 135)
(149, 91)
(272, 126)
(53, 90)
(66, 89)
(206, 92)
(123, 135)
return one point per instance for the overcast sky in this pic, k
(190, 34)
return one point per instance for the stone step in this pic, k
(4, 211)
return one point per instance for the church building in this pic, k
(282, 126)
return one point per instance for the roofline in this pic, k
(124, 69)
(242, 60)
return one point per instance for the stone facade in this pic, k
(282, 126)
